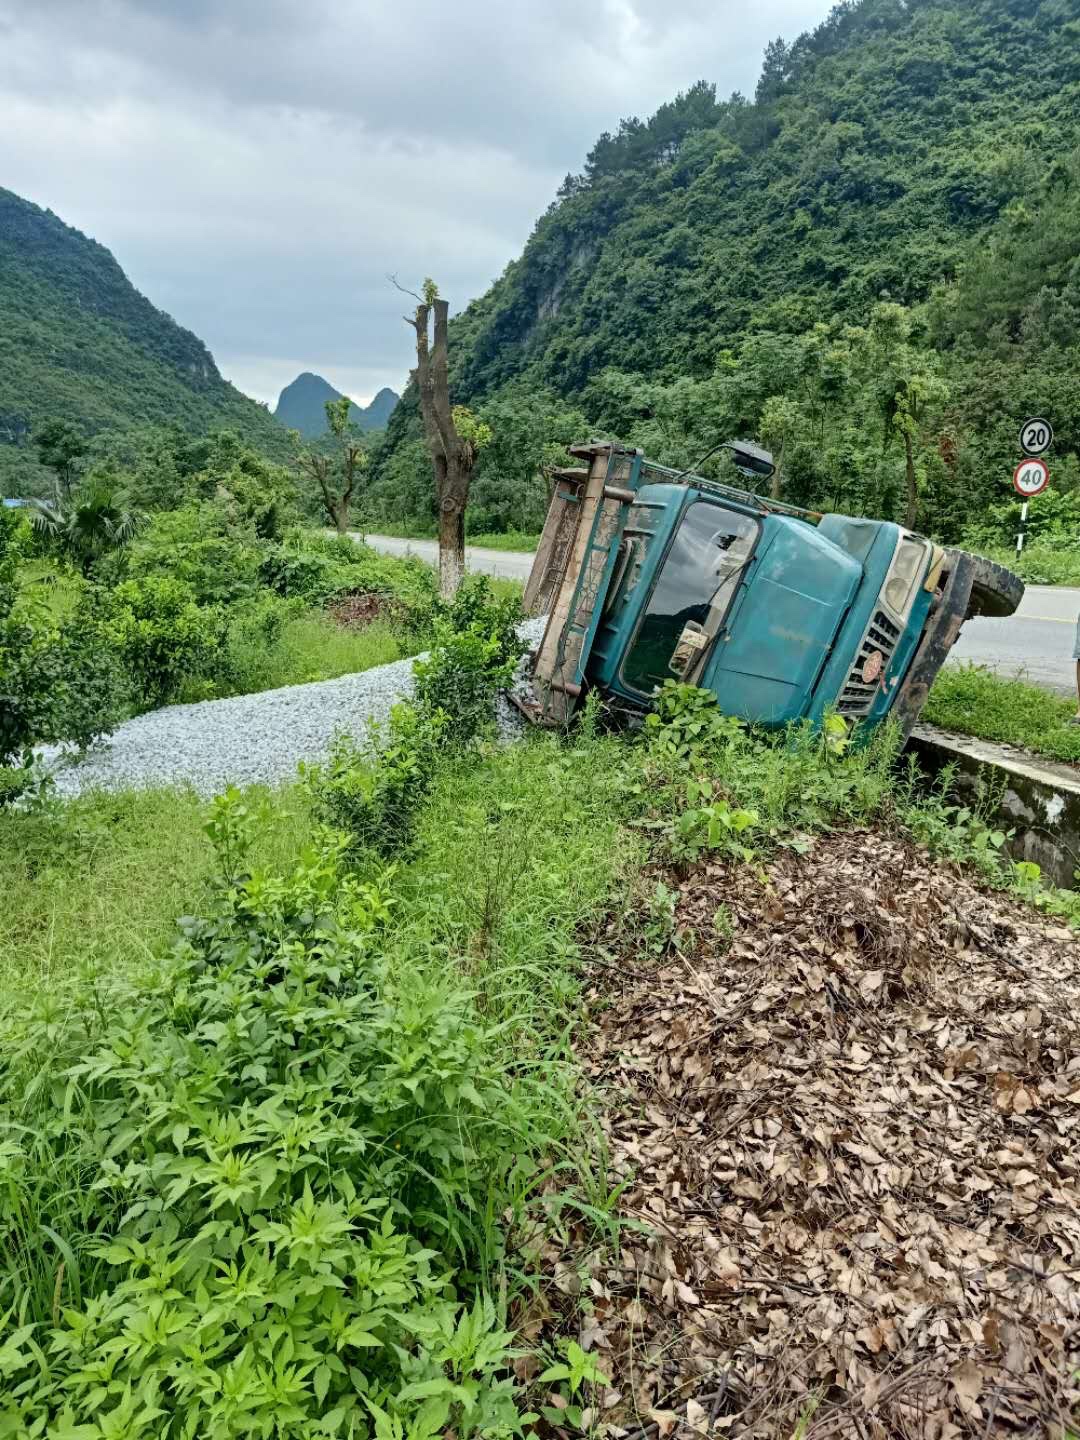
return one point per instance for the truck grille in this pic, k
(858, 694)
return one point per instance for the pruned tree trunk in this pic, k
(451, 550)
(452, 457)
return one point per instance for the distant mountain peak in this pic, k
(302, 406)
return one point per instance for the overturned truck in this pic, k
(647, 574)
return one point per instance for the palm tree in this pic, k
(93, 523)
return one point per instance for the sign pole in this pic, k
(1023, 523)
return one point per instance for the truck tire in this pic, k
(994, 590)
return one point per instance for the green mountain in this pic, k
(302, 406)
(728, 265)
(78, 341)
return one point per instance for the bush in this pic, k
(262, 1173)
(475, 653)
(161, 635)
(372, 796)
(301, 574)
(57, 682)
(252, 636)
(215, 555)
(317, 568)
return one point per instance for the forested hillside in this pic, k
(872, 266)
(78, 342)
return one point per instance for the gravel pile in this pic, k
(247, 739)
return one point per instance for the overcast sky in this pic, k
(258, 167)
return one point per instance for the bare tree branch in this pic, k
(397, 286)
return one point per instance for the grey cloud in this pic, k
(259, 165)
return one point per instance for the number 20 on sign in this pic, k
(1036, 436)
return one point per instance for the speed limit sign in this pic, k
(1031, 477)
(1036, 436)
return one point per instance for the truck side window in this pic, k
(697, 581)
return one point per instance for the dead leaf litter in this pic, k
(846, 1112)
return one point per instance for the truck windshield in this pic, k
(697, 583)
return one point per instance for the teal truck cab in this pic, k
(648, 575)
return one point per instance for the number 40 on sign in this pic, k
(1031, 477)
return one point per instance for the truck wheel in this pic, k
(994, 590)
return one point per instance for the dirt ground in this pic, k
(846, 1108)
(353, 612)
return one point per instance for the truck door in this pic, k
(691, 597)
(780, 632)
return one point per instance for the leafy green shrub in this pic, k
(372, 795)
(1051, 553)
(282, 1151)
(708, 779)
(253, 634)
(317, 568)
(964, 834)
(476, 609)
(161, 635)
(205, 547)
(475, 653)
(57, 682)
(301, 574)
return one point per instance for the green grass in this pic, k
(311, 647)
(398, 1071)
(974, 701)
(517, 540)
(96, 884)
(1040, 564)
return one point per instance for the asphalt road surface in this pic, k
(511, 564)
(1035, 644)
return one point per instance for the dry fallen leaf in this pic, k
(696, 1417)
(850, 1129)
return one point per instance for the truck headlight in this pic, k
(905, 572)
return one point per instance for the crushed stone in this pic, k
(246, 739)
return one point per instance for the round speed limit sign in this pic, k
(1036, 436)
(1031, 477)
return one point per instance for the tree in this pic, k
(337, 473)
(455, 436)
(83, 529)
(60, 449)
(779, 424)
(911, 393)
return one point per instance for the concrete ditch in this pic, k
(1037, 800)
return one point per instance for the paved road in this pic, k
(1036, 643)
(512, 564)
